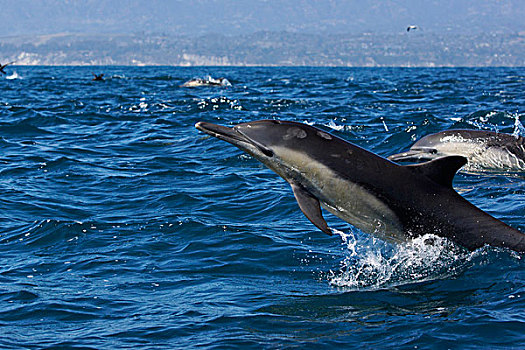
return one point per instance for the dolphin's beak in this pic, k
(413, 156)
(221, 132)
(234, 136)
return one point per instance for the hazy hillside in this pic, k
(269, 49)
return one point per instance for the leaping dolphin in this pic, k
(485, 150)
(368, 191)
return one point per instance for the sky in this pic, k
(237, 17)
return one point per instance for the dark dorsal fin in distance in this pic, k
(310, 207)
(441, 170)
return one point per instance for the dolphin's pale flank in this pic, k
(368, 191)
(484, 150)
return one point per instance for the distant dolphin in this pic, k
(366, 190)
(485, 150)
(209, 81)
(2, 66)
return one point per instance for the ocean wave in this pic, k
(124, 226)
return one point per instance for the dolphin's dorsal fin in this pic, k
(310, 207)
(441, 170)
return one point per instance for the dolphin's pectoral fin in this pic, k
(310, 207)
(441, 170)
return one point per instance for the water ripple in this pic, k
(123, 226)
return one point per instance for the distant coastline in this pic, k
(266, 49)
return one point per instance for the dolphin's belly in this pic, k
(345, 199)
(481, 156)
(494, 158)
(359, 207)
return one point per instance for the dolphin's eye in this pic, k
(267, 152)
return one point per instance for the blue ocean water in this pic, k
(122, 226)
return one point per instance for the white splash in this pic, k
(384, 124)
(374, 264)
(334, 126)
(13, 76)
(519, 129)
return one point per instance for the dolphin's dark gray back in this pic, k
(490, 138)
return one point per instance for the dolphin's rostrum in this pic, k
(370, 192)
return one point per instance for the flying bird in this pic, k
(412, 27)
